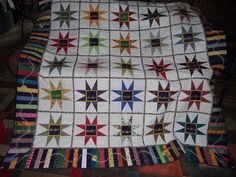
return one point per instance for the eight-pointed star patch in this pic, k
(191, 128)
(158, 129)
(91, 95)
(153, 16)
(124, 16)
(188, 38)
(54, 130)
(193, 65)
(124, 44)
(94, 15)
(126, 66)
(94, 41)
(63, 42)
(163, 96)
(91, 130)
(56, 64)
(127, 95)
(56, 94)
(196, 95)
(65, 15)
(156, 42)
(126, 130)
(92, 65)
(183, 12)
(160, 69)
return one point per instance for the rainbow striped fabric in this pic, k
(139, 115)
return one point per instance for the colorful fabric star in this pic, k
(196, 95)
(91, 95)
(124, 44)
(191, 128)
(56, 64)
(127, 130)
(94, 15)
(155, 42)
(93, 41)
(153, 16)
(56, 94)
(158, 129)
(54, 130)
(126, 66)
(63, 43)
(91, 130)
(124, 16)
(193, 65)
(127, 95)
(92, 65)
(160, 69)
(163, 96)
(183, 12)
(188, 38)
(65, 15)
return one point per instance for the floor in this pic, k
(10, 44)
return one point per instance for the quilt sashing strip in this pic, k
(21, 153)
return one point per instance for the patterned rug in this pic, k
(116, 84)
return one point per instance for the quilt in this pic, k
(115, 84)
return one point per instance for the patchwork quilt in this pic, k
(115, 84)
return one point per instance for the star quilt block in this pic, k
(161, 96)
(56, 95)
(94, 15)
(91, 95)
(94, 66)
(90, 130)
(54, 130)
(124, 17)
(156, 42)
(126, 130)
(183, 13)
(154, 17)
(57, 65)
(158, 128)
(196, 95)
(193, 65)
(63, 42)
(126, 67)
(191, 128)
(65, 15)
(188, 39)
(127, 96)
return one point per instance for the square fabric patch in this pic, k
(123, 75)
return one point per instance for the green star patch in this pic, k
(124, 44)
(56, 94)
(124, 16)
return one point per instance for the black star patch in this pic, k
(153, 16)
(193, 65)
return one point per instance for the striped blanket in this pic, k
(116, 84)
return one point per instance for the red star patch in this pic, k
(124, 16)
(91, 130)
(63, 43)
(196, 95)
(160, 68)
